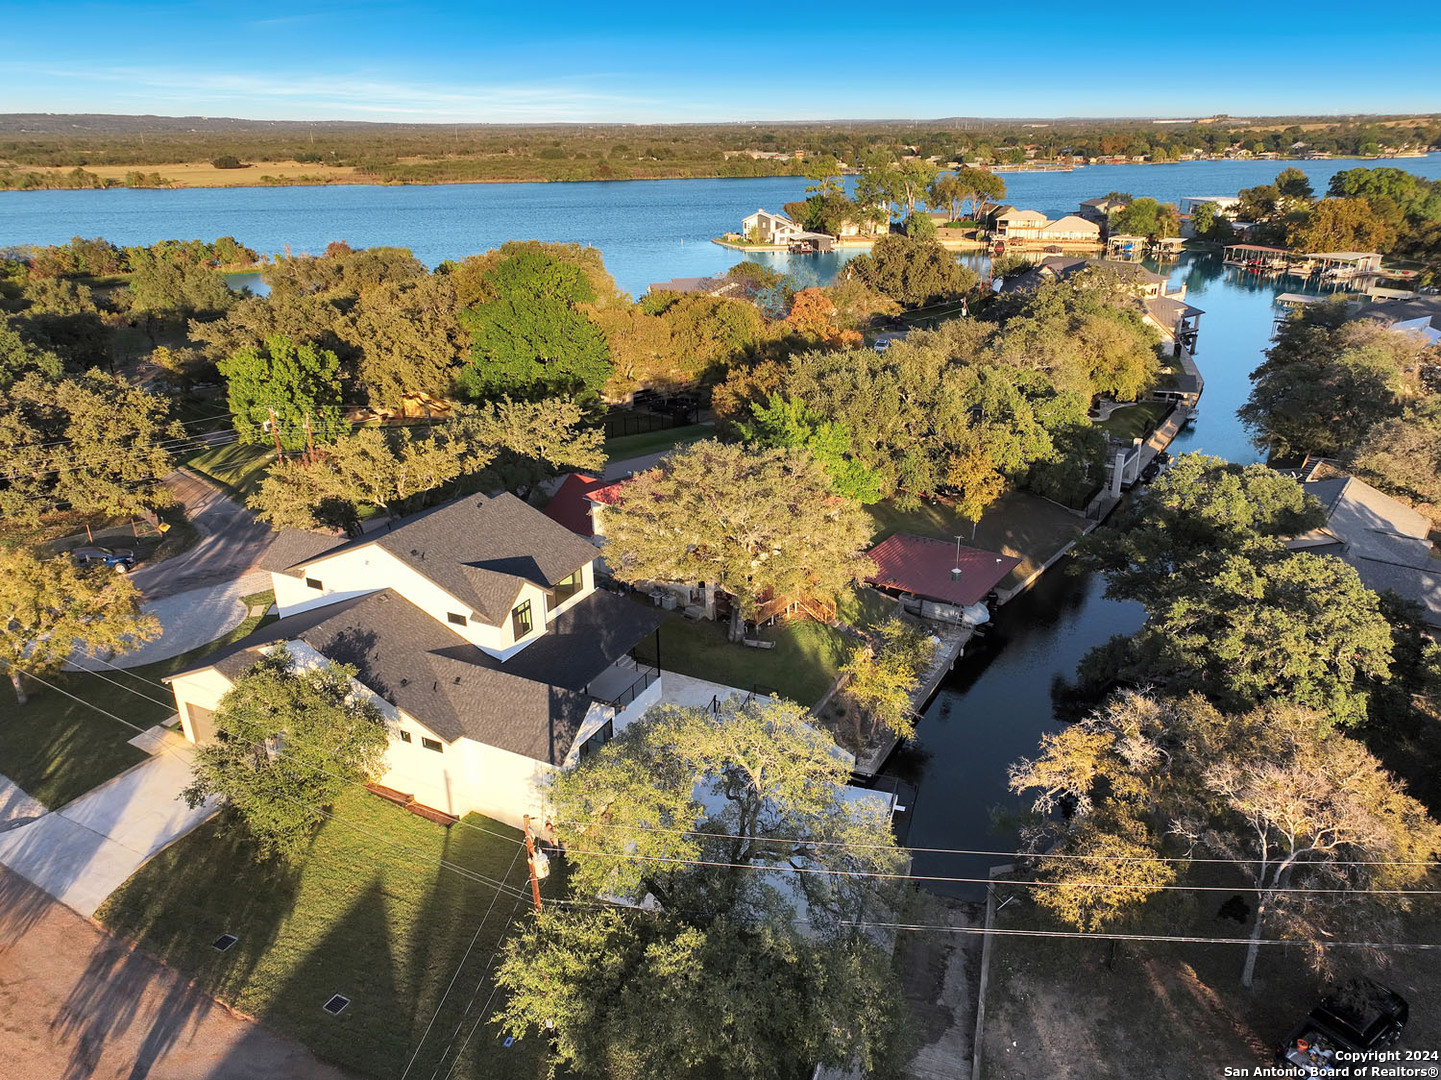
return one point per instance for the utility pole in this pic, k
(275, 430)
(530, 851)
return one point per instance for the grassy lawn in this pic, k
(807, 657)
(239, 467)
(1135, 421)
(369, 912)
(1081, 1009)
(653, 442)
(57, 748)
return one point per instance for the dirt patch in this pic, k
(203, 174)
(77, 1002)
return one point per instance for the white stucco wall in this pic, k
(370, 568)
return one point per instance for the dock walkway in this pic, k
(952, 647)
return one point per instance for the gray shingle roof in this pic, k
(479, 549)
(295, 546)
(532, 704)
(1168, 311)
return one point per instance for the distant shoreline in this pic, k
(196, 176)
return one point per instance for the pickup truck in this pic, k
(1359, 1016)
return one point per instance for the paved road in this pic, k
(86, 850)
(79, 1004)
(231, 541)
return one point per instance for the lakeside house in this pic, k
(936, 579)
(705, 286)
(1100, 209)
(1020, 226)
(477, 630)
(1146, 284)
(1387, 542)
(763, 227)
(1417, 315)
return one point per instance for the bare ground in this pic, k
(77, 1003)
(940, 973)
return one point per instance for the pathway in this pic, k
(231, 541)
(79, 1004)
(188, 620)
(86, 850)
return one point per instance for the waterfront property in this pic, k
(1147, 284)
(477, 631)
(1387, 542)
(763, 227)
(1100, 209)
(938, 580)
(1415, 315)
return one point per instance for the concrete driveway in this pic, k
(188, 620)
(231, 541)
(86, 850)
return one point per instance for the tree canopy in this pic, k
(289, 736)
(95, 442)
(528, 336)
(760, 524)
(743, 970)
(1299, 806)
(295, 387)
(54, 608)
(913, 271)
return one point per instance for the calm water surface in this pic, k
(649, 230)
(998, 702)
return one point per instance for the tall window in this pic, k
(564, 590)
(520, 620)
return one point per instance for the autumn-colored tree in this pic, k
(53, 608)
(761, 524)
(811, 314)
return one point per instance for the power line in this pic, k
(68, 694)
(127, 689)
(473, 938)
(828, 872)
(974, 851)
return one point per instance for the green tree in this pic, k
(289, 737)
(884, 674)
(762, 524)
(19, 357)
(1327, 382)
(748, 970)
(1341, 225)
(163, 290)
(1200, 511)
(97, 443)
(55, 608)
(294, 387)
(528, 337)
(785, 423)
(1293, 183)
(913, 271)
(1147, 217)
(408, 338)
(1403, 456)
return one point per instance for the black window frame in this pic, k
(598, 739)
(563, 590)
(404, 735)
(432, 744)
(456, 619)
(519, 614)
(315, 583)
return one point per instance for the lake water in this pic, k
(649, 230)
(997, 703)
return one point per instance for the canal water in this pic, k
(999, 701)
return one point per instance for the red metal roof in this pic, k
(569, 506)
(608, 493)
(922, 567)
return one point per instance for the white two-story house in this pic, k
(477, 629)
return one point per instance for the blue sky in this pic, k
(646, 62)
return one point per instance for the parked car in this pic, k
(882, 345)
(1359, 1016)
(119, 559)
(1150, 472)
